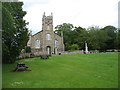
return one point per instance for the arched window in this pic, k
(48, 36)
(56, 43)
(37, 43)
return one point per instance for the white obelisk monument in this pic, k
(86, 47)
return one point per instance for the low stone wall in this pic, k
(30, 55)
(73, 52)
(36, 54)
(40, 53)
(79, 52)
(95, 51)
(24, 55)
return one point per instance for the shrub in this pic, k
(74, 47)
(28, 49)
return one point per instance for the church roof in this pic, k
(42, 31)
(37, 33)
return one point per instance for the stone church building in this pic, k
(46, 41)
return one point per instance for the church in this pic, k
(46, 41)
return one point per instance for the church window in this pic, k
(56, 43)
(48, 37)
(37, 43)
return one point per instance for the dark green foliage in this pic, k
(27, 49)
(74, 47)
(117, 40)
(66, 29)
(80, 35)
(111, 31)
(15, 32)
(96, 38)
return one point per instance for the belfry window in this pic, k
(37, 43)
(48, 36)
(48, 27)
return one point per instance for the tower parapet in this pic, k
(47, 22)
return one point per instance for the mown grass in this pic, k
(65, 71)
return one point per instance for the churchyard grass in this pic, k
(98, 70)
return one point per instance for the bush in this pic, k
(74, 47)
(28, 49)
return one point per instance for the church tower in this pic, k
(47, 22)
(48, 34)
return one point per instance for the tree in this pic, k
(80, 36)
(66, 28)
(93, 42)
(97, 38)
(111, 31)
(117, 40)
(15, 32)
(72, 36)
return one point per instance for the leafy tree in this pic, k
(97, 38)
(66, 29)
(80, 36)
(15, 32)
(117, 40)
(111, 31)
(93, 39)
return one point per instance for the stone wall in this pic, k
(73, 52)
(79, 52)
(35, 54)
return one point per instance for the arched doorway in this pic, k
(48, 49)
(55, 50)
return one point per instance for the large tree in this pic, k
(80, 35)
(117, 40)
(97, 38)
(111, 31)
(66, 29)
(15, 32)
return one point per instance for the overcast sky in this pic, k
(84, 13)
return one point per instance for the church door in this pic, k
(55, 51)
(48, 50)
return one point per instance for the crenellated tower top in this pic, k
(47, 22)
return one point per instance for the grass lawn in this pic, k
(65, 71)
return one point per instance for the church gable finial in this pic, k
(51, 14)
(44, 14)
(30, 32)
